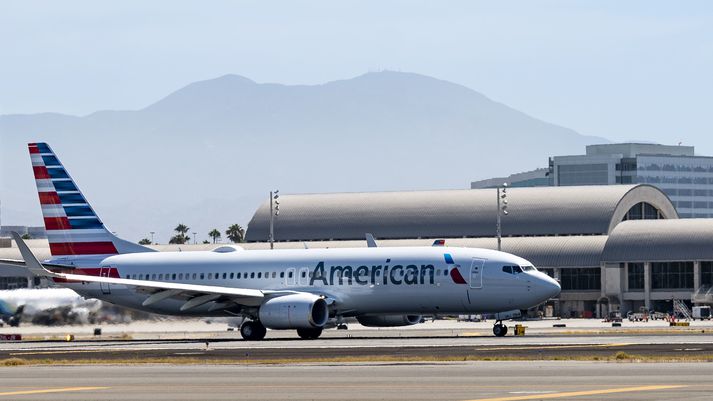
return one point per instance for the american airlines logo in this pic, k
(374, 275)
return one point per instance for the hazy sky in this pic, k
(621, 70)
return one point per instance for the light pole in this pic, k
(194, 238)
(152, 233)
(274, 212)
(502, 210)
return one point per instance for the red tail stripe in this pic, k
(57, 223)
(34, 148)
(49, 198)
(41, 172)
(82, 248)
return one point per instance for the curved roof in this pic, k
(539, 211)
(571, 251)
(660, 240)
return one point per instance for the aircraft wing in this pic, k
(15, 262)
(195, 295)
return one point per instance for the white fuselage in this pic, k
(417, 280)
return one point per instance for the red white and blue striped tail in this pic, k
(71, 224)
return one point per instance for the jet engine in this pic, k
(295, 311)
(388, 320)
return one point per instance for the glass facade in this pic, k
(671, 275)
(636, 276)
(583, 174)
(707, 274)
(11, 283)
(585, 278)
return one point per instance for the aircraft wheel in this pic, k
(309, 334)
(500, 330)
(253, 330)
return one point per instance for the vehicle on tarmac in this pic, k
(701, 312)
(298, 289)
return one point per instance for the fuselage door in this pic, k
(290, 279)
(476, 273)
(104, 272)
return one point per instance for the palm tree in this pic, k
(235, 233)
(145, 241)
(215, 234)
(181, 237)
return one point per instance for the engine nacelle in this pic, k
(296, 311)
(389, 320)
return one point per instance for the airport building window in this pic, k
(671, 275)
(11, 283)
(636, 276)
(642, 211)
(581, 279)
(707, 274)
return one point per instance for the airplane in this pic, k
(29, 303)
(296, 289)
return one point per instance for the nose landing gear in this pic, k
(500, 330)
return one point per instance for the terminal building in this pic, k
(617, 247)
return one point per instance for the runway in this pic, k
(483, 381)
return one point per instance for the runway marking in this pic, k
(533, 347)
(580, 393)
(52, 390)
(84, 351)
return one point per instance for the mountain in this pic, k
(207, 154)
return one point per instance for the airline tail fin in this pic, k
(73, 228)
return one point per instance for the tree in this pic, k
(145, 241)
(181, 237)
(235, 233)
(26, 236)
(205, 241)
(215, 234)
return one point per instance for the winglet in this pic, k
(31, 261)
(370, 241)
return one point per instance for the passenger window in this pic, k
(174, 276)
(225, 275)
(252, 274)
(202, 276)
(180, 276)
(153, 277)
(445, 272)
(239, 274)
(304, 274)
(216, 276)
(210, 276)
(232, 275)
(274, 274)
(282, 274)
(194, 276)
(259, 274)
(507, 269)
(289, 275)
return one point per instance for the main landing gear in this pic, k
(253, 330)
(500, 329)
(309, 334)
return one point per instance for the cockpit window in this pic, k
(507, 269)
(529, 268)
(516, 269)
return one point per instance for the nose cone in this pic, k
(548, 287)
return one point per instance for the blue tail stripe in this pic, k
(43, 148)
(78, 211)
(64, 186)
(71, 198)
(57, 173)
(78, 224)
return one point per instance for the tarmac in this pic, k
(482, 381)
(434, 360)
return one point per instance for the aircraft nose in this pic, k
(551, 288)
